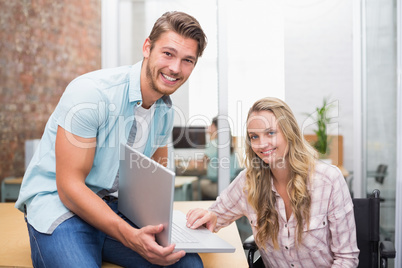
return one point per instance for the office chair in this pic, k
(373, 252)
(379, 176)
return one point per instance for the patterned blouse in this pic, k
(331, 238)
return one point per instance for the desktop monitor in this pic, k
(189, 137)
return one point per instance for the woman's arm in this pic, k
(228, 207)
(344, 244)
(342, 225)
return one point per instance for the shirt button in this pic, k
(323, 223)
(286, 247)
(292, 265)
(286, 226)
(138, 103)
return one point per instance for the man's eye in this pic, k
(189, 61)
(168, 54)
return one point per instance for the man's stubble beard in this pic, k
(150, 79)
(152, 84)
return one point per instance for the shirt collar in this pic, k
(134, 94)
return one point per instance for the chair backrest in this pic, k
(367, 217)
(381, 172)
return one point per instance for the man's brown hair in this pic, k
(181, 23)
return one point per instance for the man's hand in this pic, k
(143, 242)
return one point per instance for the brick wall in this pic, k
(44, 44)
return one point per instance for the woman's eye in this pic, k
(271, 133)
(253, 137)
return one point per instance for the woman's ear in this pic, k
(146, 48)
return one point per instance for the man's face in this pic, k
(169, 63)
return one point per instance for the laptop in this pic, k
(146, 193)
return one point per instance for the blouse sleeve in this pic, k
(231, 203)
(342, 224)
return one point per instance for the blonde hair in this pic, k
(259, 180)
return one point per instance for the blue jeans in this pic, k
(74, 243)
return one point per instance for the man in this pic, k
(69, 191)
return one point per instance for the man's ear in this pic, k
(146, 48)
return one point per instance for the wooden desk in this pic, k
(15, 250)
(14, 241)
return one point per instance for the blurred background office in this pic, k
(347, 52)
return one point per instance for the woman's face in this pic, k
(266, 137)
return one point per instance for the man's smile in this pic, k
(169, 78)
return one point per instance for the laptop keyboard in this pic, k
(179, 235)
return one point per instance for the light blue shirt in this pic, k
(98, 104)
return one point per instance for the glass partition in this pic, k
(380, 106)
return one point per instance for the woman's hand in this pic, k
(198, 216)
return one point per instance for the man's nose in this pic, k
(175, 66)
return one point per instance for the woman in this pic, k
(300, 209)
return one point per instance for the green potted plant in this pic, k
(322, 119)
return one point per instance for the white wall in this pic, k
(256, 59)
(318, 63)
